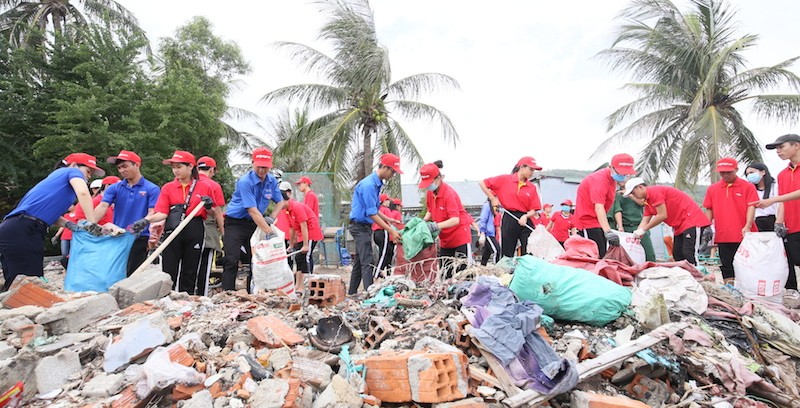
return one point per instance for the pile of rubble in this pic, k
(401, 344)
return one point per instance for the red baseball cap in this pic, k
(567, 202)
(727, 164)
(125, 155)
(397, 201)
(206, 162)
(547, 205)
(623, 164)
(392, 161)
(85, 160)
(528, 161)
(110, 180)
(427, 174)
(384, 197)
(262, 157)
(304, 179)
(181, 156)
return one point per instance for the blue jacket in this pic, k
(486, 220)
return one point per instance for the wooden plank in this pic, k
(478, 373)
(506, 383)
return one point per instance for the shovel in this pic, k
(503, 210)
(170, 238)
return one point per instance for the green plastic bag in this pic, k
(567, 293)
(416, 237)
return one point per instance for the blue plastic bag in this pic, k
(96, 263)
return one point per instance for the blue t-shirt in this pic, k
(365, 199)
(251, 192)
(131, 203)
(51, 197)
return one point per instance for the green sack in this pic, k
(567, 293)
(416, 237)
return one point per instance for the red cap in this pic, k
(547, 205)
(110, 180)
(397, 201)
(528, 161)
(727, 164)
(623, 164)
(262, 157)
(85, 160)
(427, 174)
(125, 155)
(567, 202)
(383, 197)
(304, 179)
(392, 161)
(206, 162)
(180, 156)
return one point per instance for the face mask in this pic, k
(754, 178)
(432, 187)
(565, 208)
(618, 177)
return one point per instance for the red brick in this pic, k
(387, 376)
(273, 332)
(580, 399)
(128, 399)
(182, 392)
(379, 329)
(178, 354)
(444, 379)
(28, 292)
(175, 322)
(462, 339)
(325, 290)
(291, 398)
(139, 309)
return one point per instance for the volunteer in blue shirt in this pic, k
(23, 230)
(134, 198)
(486, 239)
(364, 212)
(245, 213)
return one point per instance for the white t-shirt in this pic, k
(773, 209)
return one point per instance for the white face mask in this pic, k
(432, 187)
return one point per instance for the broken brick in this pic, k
(379, 329)
(28, 293)
(182, 392)
(325, 290)
(580, 399)
(273, 332)
(178, 354)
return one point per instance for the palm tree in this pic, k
(361, 104)
(20, 20)
(691, 79)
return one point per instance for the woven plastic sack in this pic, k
(633, 246)
(760, 266)
(567, 293)
(542, 244)
(269, 264)
(96, 263)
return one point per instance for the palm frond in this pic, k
(412, 87)
(310, 95)
(783, 109)
(421, 111)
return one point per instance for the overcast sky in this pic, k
(530, 84)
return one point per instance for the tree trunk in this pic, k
(366, 164)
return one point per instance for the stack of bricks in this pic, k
(379, 329)
(417, 376)
(325, 290)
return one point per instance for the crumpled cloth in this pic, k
(416, 237)
(507, 328)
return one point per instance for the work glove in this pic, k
(90, 227)
(781, 230)
(139, 225)
(55, 240)
(482, 239)
(71, 226)
(612, 238)
(639, 232)
(207, 202)
(433, 227)
(269, 220)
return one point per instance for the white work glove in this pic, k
(639, 232)
(482, 239)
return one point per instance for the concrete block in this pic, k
(7, 351)
(338, 394)
(72, 316)
(315, 373)
(270, 393)
(26, 291)
(135, 339)
(65, 340)
(54, 371)
(148, 284)
(200, 399)
(580, 399)
(20, 368)
(103, 385)
(29, 311)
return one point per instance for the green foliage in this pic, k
(691, 76)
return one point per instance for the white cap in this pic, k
(285, 185)
(96, 184)
(633, 183)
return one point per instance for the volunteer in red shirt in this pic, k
(309, 196)
(726, 202)
(397, 212)
(97, 199)
(596, 196)
(676, 209)
(547, 211)
(305, 231)
(787, 220)
(381, 237)
(214, 226)
(560, 224)
(539, 218)
(518, 197)
(181, 259)
(447, 215)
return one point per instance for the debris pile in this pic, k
(486, 337)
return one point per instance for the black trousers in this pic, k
(21, 248)
(205, 270)
(305, 261)
(686, 244)
(727, 250)
(237, 235)
(363, 264)
(385, 249)
(181, 259)
(490, 251)
(446, 264)
(792, 245)
(599, 237)
(765, 223)
(138, 253)
(511, 232)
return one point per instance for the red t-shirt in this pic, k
(310, 199)
(397, 215)
(445, 205)
(174, 193)
(96, 200)
(787, 182)
(67, 233)
(385, 211)
(562, 224)
(298, 213)
(729, 204)
(542, 220)
(682, 212)
(218, 197)
(596, 188)
(513, 195)
(282, 222)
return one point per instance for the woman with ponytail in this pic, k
(758, 174)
